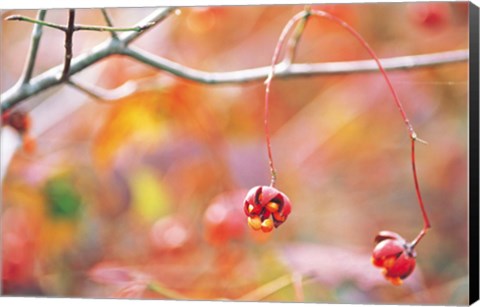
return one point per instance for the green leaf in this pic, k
(63, 200)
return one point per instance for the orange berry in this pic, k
(29, 144)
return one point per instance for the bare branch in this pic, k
(32, 53)
(36, 21)
(68, 44)
(104, 95)
(51, 77)
(296, 70)
(112, 29)
(152, 19)
(80, 27)
(109, 22)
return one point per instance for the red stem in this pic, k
(268, 83)
(426, 222)
(412, 134)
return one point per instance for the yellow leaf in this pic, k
(150, 199)
(137, 118)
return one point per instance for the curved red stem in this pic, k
(268, 83)
(426, 222)
(412, 134)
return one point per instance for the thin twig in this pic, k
(68, 44)
(276, 285)
(36, 21)
(80, 27)
(109, 22)
(104, 95)
(113, 29)
(32, 53)
(268, 289)
(167, 293)
(297, 280)
(154, 18)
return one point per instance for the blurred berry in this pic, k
(223, 219)
(18, 248)
(430, 15)
(170, 234)
(18, 120)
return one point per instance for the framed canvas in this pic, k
(318, 153)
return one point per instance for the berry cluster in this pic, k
(266, 207)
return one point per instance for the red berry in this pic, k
(170, 234)
(223, 219)
(263, 202)
(18, 120)
(394, 255)
(433, 15)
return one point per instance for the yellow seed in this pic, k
(250, 208)
(255, 222)
(272, 207)
(389, 262)
(267, 225)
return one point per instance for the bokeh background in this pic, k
(142, 197)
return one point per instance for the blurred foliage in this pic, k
(142, 197)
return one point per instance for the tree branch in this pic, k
(51, 77)
(32, 54)
(36, 22)
(104, 95)
(152, 19)
(109, 22)
(295, 70)
(80, 27)
(68, 44)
